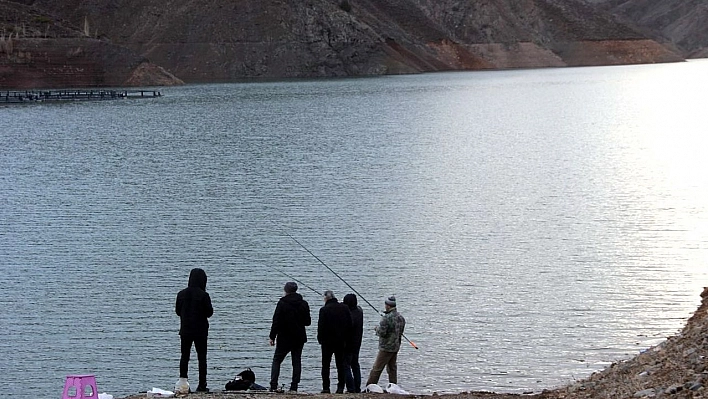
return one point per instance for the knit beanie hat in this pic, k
(391, 301)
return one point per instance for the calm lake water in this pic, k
(535, 225)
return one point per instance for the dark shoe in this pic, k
(340, 391)
(326, 390)
(202, 389)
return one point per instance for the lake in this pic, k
(534, 225)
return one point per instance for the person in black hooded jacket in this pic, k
(351, 354)
(334, 329)
(287, 333)
(193, 306)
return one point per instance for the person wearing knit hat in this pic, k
(287, 333)
(390, 331)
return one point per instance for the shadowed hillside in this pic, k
(38, 50)
(683, 23)
(223, 40)
(533, 33)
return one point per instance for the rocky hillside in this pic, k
(683, 23)
(533, 33)
(223, 40)
(37, 50)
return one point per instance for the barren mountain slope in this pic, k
(38, 50)
(556, 32)
(683, 23)
(221, 40)
(224, 40)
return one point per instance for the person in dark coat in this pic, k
(287, 333)
(333, 333)
(193, 306)
(351, 355)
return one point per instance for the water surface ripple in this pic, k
(535, 225)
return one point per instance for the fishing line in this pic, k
(338, 276)
(296, 280)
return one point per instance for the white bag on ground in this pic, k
(182, 386)
(373, 388)
(160, 393)
(393, 388)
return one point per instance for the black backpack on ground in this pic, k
(243, 381)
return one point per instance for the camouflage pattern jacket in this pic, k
(390, 330)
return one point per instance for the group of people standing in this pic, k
(340, 329)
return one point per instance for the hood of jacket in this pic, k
(293, 299)
(197, 278)
(350, 300)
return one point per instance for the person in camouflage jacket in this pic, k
(389, 330)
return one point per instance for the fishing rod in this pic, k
(340, 277)
(296, 280)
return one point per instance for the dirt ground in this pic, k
(676, 368)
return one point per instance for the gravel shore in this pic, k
(676, 368)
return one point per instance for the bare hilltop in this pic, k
(675, 369)
(49, 43)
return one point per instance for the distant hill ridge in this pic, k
(682, 23)
(223, 40)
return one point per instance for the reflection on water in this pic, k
(534, 225)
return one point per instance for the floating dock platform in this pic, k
(16, 97)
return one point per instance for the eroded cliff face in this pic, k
(38, 51)
(681, 23)
(76, 62)
(220, 40)
(223, 40)
(538, 33)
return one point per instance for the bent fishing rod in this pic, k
(339, 277)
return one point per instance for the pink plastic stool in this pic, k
(75, 387)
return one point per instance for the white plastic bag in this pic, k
(182, 386)
(393, 388)
(373, 388)
(105, 396)
(161, 393)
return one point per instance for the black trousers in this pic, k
(338, 361)
(200, 344)
(353, 371)
(281, 351)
